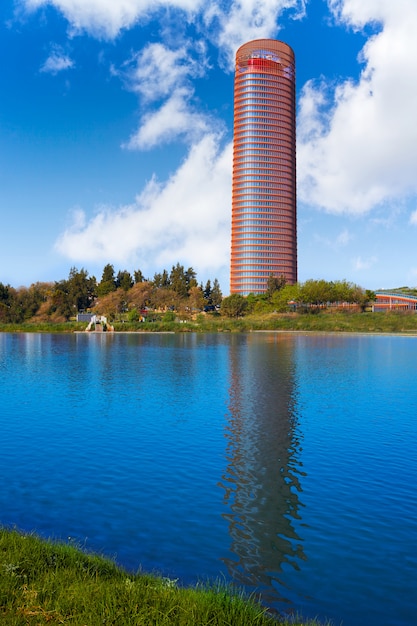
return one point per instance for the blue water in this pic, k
(286, 463)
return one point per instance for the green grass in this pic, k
(324, 321)
(43, 327)
(42, 582)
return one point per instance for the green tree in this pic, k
(178, 280)
(181, 280)
(75, 293)
(191, 278)
(363, 298)
(81, 289)
(285, 299)
(258, 303)
(161, 280)
(371, 296)
(165, 281)
(61, 304)
(4, 293)
(124, 280)
(207, 292)
(7, 304)
(275, 283)
(108, 281)
(32, 299)
(233, 306)
(133, 315)
(157, 280)
(316, 292)
(138, 276)
(216, 293)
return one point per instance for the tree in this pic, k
(161, 280)
(364, 298)
(182, 280)
(317, 292)
(138, 276)
(157, 280)
(4, 293)
(164, 298)
(112, 304)
(108, 282)
(81, 289)
(178, 280)
(74, 294)
(234, 305)
(32, 299)
(165, 281)
(216, 293)
(207, 292)
(196, 298)
(284, 299)
(61, 304)
(139, 296)
(124, 280)
(275, 283)
(370, 296)
(191, 278)
(6, 303)
(341, 291)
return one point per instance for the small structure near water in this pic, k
(99, 324)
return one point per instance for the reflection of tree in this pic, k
(261, 481)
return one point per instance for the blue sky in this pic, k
(116, 128)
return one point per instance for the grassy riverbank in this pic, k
(324, 321)
(42, 582)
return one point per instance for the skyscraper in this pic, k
(264, 220)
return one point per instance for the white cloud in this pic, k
(364, 264)
(106, 18)
(336, 243)
(413, 218)
(228, 22)
(244, 20)
(359, 149)
(174, 118)
(57, 62)
(343, 238)
(164, 72)
(159, 73)
(155, 71)
(185, 220)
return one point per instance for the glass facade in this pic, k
(264, 222)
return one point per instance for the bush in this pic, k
(169, 316)
(133, 315)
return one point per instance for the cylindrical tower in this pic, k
(264, 219)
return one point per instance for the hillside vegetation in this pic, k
(174, 301)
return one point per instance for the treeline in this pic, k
(309, 297)
(114, 295)
(126, 296)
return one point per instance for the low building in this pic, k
(84, 317)
(386, 301)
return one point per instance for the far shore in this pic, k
(389, 322)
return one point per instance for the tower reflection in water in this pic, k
(262, 479)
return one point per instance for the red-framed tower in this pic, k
(264, 212)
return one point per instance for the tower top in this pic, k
(266, 54)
